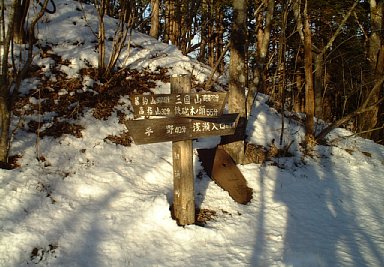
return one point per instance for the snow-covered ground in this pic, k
(95, 203)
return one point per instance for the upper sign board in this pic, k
(208, 104)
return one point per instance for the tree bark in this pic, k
(309, 92)
(6, 96)
(121, 33)
(237, 80)
(219, 37)
(298, 101)
(101, 9)
(155, 22)
(5, 112)
(318, 84)
(370, 119)
(5, 120)
(204, 32)
(211, 32)
(20, 29)
(172, 21)
(263, 33)
(281, 69)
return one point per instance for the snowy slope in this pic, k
(95, 203)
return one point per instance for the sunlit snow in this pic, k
(101, 204)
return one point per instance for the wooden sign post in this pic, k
(182, 154)
(188, 115)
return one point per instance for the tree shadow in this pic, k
(321, 228)
(322, 225)
(202, 176)
(260, 244)
(89, 203)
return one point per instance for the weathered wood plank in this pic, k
(223, 170)
(183, 176)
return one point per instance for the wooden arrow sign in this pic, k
(209, 104)
(180, 128)
(224, 171)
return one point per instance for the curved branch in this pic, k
(209, 83)
(362, 109)
(341, 26)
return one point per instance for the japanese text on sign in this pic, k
(183, 105)
(197, 127)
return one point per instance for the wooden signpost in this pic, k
(187, 116)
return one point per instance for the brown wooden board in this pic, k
(223, 170)
(208, 104)
(179, 128)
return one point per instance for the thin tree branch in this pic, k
(339, 29)
(31, 33)
(210, 80)
(362, 109)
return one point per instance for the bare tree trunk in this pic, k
(282, 66)
(219, 37)
(172, 21)
(309, 92)
(304, 30)
(101, 9)
(5, 111)
(126, 19)
(204, 31)
(155, 22)
(166, 26)
(237, 79)
(184, 15)
(20, 29)
(211, 32)
(318, 84)
(6, 96)
(297, 94)
(378, 136)
(264, 25)
(299, 102)
(5, 120)
(370, 119)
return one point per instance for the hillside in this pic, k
(81, 194)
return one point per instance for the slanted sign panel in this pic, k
(209, 104)
(177, 129)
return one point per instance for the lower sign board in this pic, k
(176, 129)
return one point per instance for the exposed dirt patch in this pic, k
(39, 254)
(13, 163)
(57, 102)
(203, 216)
(123, 139)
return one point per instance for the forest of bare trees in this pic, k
(322, 58)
